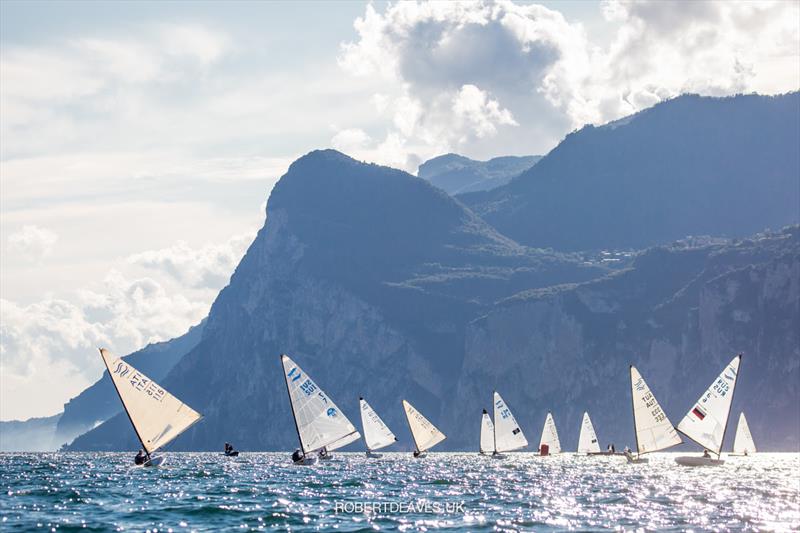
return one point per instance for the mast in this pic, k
(728, 418)
(633, 411)
(125, 407)
(494, 424)
(294, 416)
(363, 424)
(411, 429)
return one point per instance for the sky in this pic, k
(139, 141)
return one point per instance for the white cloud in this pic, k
(48, 349)
(207, 267)
(32, 242)
(350, 140)
(504, 64)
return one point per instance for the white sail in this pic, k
(425, 434)
(653, 429)
(487, 433)
(376, 434)
(508, 435)
(320, 424)
(743, 443)
(550, 435)
(587, 441)
(705, 422)
(157, 416)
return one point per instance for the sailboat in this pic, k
(507, 434)
(157, 416)
(587, 440)
(549, 442)
(487, 434)
(376, 434)
(425, 434)
(652, 428)
(320, 425)
(743, 442)
(707, 421)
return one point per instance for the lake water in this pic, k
(447, 491)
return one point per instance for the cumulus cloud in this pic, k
(207, 267)
(48, 349)
(503, 77)
(32, 242)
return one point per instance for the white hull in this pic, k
(306, 460)
(156, 460)
(632, 459)
(693, 460)
(499, 456)
(373, 455)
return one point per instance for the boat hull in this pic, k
(499, 456)
(231, 454)
(156, 460)
(373, 455)
(306, 460)
(693, 460)
(420, 455)
(632, 459)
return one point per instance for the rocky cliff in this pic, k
(679, 314)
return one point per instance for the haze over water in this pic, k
(449, 491)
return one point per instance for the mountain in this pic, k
(368, 277)
(457, 174)
(32, 435)
(688, 166)
(680, 314)
(96, 403)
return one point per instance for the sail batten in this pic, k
(550, 435)
(652, 428)
(487, 433)
(425, 434)
(743, 442)
(320, 423)
(508, 435)
(705, 423)
(377, 434)
(587, 441)
(157, 416)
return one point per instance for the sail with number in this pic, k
(651, 426)
(587, 441)
(320, 423)
(425, 434)
(507, 434)
(377, 435)
(487, 433)
(743, 442)
(705, 423)
(550, 435)
(156, 415)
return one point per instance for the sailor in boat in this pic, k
(417, 453)
(706, 454)
(229, 451)
(297, 455)
(323, 454)
(140, 458)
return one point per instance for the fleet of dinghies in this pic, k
(158, 418)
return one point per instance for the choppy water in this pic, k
(204, 491)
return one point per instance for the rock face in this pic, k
(688, 166)
(32, 435)
(368, 277)
(679, 314)
(457, 174)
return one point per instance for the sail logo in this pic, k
(292, 373)
(639, 385)
(732, 375)
(122, 369)
(331, 412)
(699, 412)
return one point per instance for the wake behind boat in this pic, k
(157, 416)
(377, 434)
(424, 433)
(320, 425)
(507, 434)
(652, 428)
(706, 422)
(549, 443)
